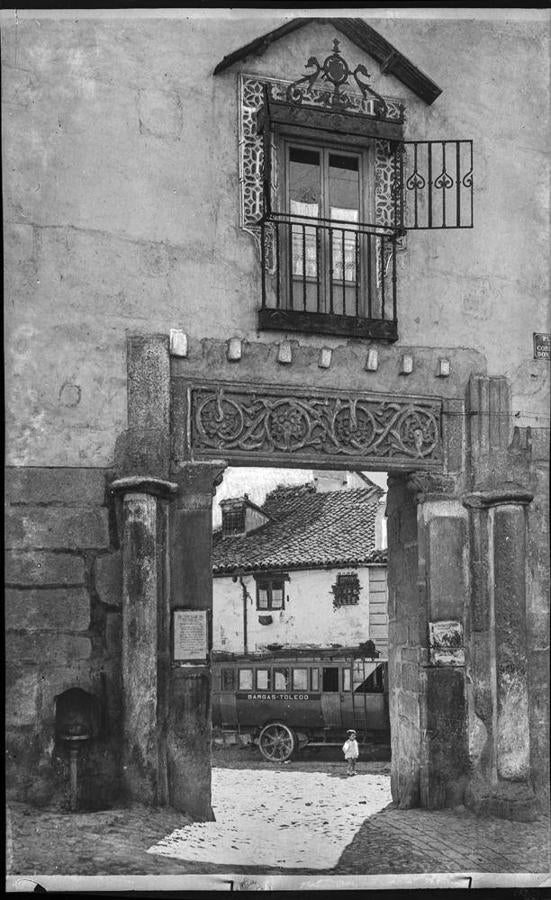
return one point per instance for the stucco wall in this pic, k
(122, 208)
(309, 616)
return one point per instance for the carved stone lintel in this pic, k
(507, 493)
(240, 422)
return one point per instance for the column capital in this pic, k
(199, 478)
(505, 494)
(431, 486)
(143, 484)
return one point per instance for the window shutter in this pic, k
(436, 182)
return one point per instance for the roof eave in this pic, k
(360, 33)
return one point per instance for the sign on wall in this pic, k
(190, 635)
(446, 643)
(542, 345)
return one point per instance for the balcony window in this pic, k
(329, 270)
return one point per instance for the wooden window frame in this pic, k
(362, 149)
(266, 582)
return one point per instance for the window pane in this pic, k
(227, 679)
(263, 679)
(277, 594)
(281, 679)
(344, 204)
(300, 679)
(245, 679)
(304, 200)
(346, 679)
(262, 596)
(344, 183)
(315, 679)
(304, 175)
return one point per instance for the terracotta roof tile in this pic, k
(308, 529)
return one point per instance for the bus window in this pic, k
(330, 682)
(245, 679)
(346, 679)
(300, 679)
(281, 679)
(315, 679)
(227, 679)
(263, 679)
(368, 679)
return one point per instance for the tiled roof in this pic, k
(308, 529)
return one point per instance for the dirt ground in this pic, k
(387, 841)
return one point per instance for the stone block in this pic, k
(21, 700)
(148, 382)
(410, 677)
(108, 578)
(48, 649)
(39, 568)
(70, 486)
(447, 539)
(59, 609)
(113, 633)
(63, 528)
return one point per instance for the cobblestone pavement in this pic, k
(391, 841)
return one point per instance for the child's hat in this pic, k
(351, 731)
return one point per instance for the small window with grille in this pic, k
(233, 520)
(346, 590)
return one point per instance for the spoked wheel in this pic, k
(277, 742)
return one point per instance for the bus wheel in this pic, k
(277, 742)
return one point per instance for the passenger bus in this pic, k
(284, 700)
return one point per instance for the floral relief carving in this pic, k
(243, 422)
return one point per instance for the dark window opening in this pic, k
(227, 679)
(330, 680)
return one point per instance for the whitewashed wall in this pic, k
(309, 616)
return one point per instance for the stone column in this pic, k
(499, 717)
(443, 596)
(189, 727)
(144, 634)
(427, 594)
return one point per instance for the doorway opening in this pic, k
(300, 610)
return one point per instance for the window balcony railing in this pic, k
(328, 276)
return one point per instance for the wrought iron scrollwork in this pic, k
(243, 422)
(337, 72)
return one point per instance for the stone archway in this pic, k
(448, 702)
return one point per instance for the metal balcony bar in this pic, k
(329, 275)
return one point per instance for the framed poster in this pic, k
(189, 635)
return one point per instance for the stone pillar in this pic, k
(499, 716)
(428, 590)
(406, 630)
(189, 727)
(144, 634)
(443, 595)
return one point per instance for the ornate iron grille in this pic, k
(346, 591)
(437, 184)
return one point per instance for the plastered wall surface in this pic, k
(121, 200)
(309, 615)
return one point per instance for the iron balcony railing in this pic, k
(328, 276)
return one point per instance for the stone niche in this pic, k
(80, 730)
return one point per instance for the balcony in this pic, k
(323, 276)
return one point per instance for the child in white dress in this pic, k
(351, 751)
